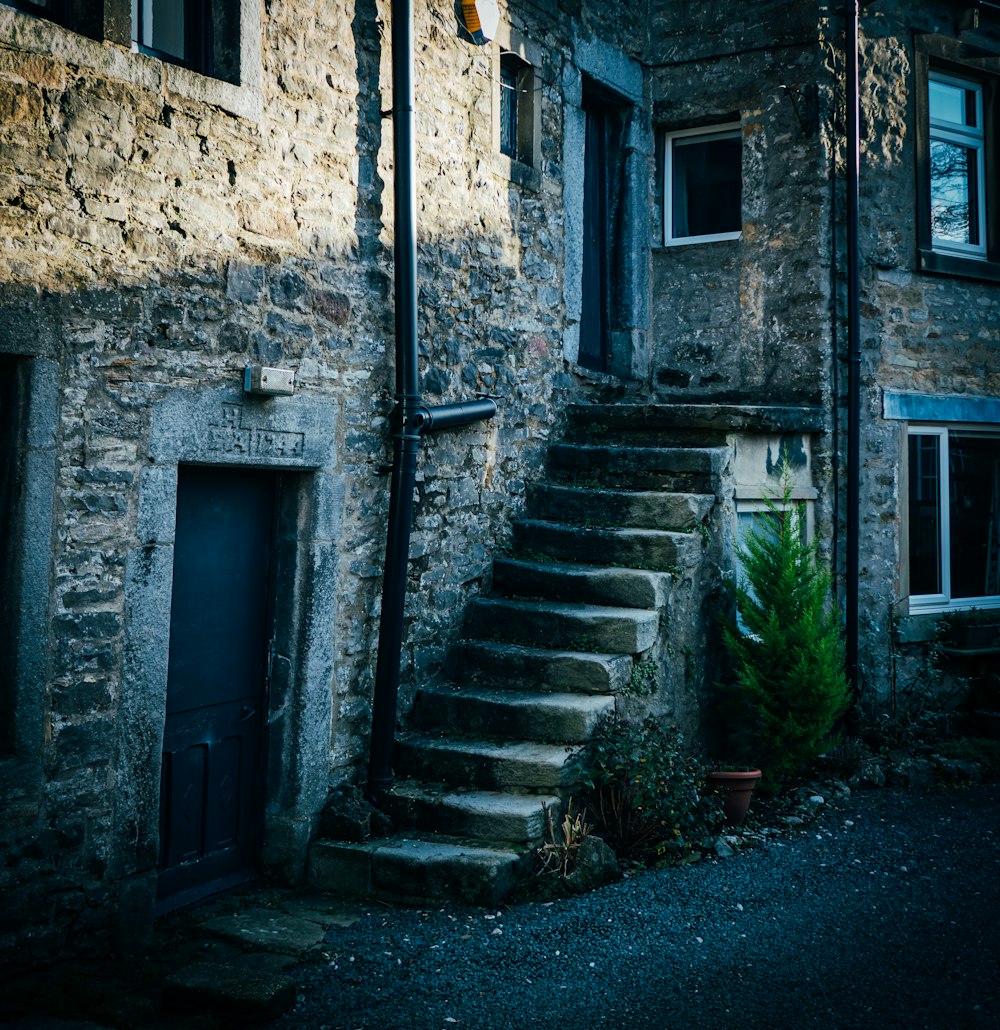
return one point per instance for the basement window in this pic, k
(953, 518)
(703, 185)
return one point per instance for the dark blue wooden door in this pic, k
(211, 785)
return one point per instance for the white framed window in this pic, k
(703, 185)
(953, 518)
(956, 165)
(207, 50)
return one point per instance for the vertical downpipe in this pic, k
(406, 417)
(852, 562)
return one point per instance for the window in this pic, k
(958, 172)
(515, 90)
(703, 185)
(202, 35)
(516, 109)
(956, 166)
(954, 517)
(81, 16)
(199, 34)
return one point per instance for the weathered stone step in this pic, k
(603, 630)
(638, 548)
(585, 584)
(487, 765)
(521, 715)
(478, 814)
(417, 869)
(644, 509)
(516, 667)
(684, 469)
(759, 418)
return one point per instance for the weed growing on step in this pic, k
(558, 853)
(642, 788)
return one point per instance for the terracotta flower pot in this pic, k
(735, 786)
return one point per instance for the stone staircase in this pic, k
(613, 536)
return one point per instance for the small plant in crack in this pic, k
(642, 682)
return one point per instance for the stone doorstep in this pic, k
(262, 929)
(416, 869)
(231, 988)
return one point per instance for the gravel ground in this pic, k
(883, 913)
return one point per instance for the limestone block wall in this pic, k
(160, 231)
(746, 319)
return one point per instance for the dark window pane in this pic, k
(974, 471)
(954, 193)
(508, 108)
(707, 186)
(925, 515)
(162, 27)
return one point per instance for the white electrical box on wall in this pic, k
(269, 382)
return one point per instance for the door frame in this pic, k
(224, 427)
(598, 69)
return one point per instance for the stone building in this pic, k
(631, 232)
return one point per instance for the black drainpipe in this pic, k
(852, 560)
(411, 417)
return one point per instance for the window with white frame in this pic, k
(956, 165)
(703, 185)
(957, 89)
(954, 517)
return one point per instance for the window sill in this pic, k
(951, 264)
(720, 242)
(517, 172)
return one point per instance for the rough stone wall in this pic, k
(921, 333)
(747, 319)
(157, 237)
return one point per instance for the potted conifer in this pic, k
(789, 685)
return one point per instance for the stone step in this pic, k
(644, 509)
(639, 548)
(521, 715)
(519, 765)
(585, 584)
(476, 814)
(492, 663)
(417, 869)
(583, 627)
(683, 469)
(688, 417)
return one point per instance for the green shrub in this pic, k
(789, 681)
(642, 789)
(974, 749)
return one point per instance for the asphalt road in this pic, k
(884, 913)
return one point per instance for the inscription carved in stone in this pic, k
(230, 436)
